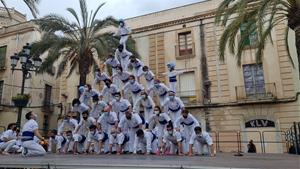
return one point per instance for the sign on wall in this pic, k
(256, 123)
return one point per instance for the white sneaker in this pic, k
(5, 153)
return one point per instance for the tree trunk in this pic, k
(83, 71)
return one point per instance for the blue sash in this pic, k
(82, 139)
(154, 137)
(173, 79)
(125, 110)
(126, 80)
(175, 110)
(188, 124)
(138, 66)
(150, 107)
(28, 136)
(164, 122)
(64, 141)
(136, 92)
(163, 94)
(149, 79)
(1, 141)
(124, 56)
(111, 123)
(126, 139)
(105, 137)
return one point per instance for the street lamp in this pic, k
(28, 65)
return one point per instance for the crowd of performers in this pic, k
(121, 119)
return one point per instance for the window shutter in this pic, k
(2, 56)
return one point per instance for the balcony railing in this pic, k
(266, 91)
(185, 53)
(188, 97)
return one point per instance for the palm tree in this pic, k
(259, 17)
(31, 4)
(80, 43)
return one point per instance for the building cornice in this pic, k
(201, 16)
(17, 29)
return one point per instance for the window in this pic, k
(47, 98)
(185, 43)
(1, 90)
(2, 56)
(252, 38)
(187, 86)
(254, 80)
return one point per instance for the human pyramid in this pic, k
(122, 118)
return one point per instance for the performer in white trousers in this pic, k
(189, 122)
(123, 31)
(175, 139)
(137, 68)
(99, 76)
(99, 138)
(148, 104)
(31, 129)
(120, 105)
(58, 141)
(159, 120)
(124, 77)
(135, 88)
(161, 90)
(129, 124)
(173, 106)
(109, 90)
(8, 140)
(123, 56)
(145, 142)
(97, 107)
(172, 76)
(108, 120)
(149, 77)
(113, 62)
(118, 142)
(199, 139)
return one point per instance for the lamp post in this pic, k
(28, 65)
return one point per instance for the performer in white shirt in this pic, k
(200, 138)
(109, 90)
(97, 107)
(129, 124)
(123, 31)
(145, 142)
(58, 141)
(137, 65)
(108, 120)
(123, 56)
(148, 104)
(149, 77)
(172, 75)
(161, 90)
(175, 139)
(174, 106)
(99, 76)
(118, 142)
(135, 88)
(86, 96)
(120, 105)
(8, 140)
(31, 129)
(124, 77)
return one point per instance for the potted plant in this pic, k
(21, 100)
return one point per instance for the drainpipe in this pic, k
(204, 72)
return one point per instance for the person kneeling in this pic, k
(56, 141)
(145, 142)
(118, 142)
(200, 138)
(30, 129)
(99, 138)
(174, 139)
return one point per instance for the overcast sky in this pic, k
(117, 8)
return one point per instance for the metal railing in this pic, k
(292, 138)
(189, 97)
(266, 91)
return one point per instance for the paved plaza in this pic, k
(221, 161)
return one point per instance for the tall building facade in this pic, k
(252, 100)
(43, 88)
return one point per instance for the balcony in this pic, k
(189, 97)
(266, 91)
(186, 53)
